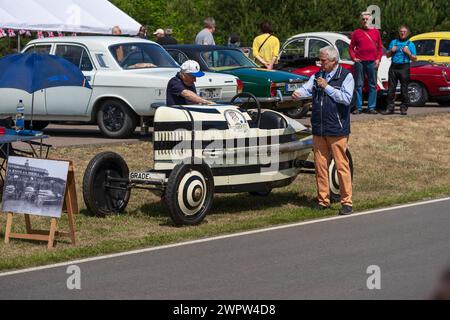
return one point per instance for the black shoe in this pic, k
(346, 211)
(388, 112)
(356, 112)
(321, 208)
(372, 111)
(403, 110)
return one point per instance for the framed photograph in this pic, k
(35, 186)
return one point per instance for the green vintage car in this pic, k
(272, 88)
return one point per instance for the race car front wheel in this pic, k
(189, 193)
(335, 192)
(102, 193)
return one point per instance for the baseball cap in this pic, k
(159, 31)
(193, 68)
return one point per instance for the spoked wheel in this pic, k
(335, 193)
(101, 195)
(189, 194)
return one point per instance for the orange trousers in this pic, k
(326, 148)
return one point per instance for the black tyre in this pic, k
(100, 199)
(189, 194)
(264, 193)
(116, 120)
(299, 112)
(334, 179)
(418, 94)
(37, 125)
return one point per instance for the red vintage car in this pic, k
(429, 82)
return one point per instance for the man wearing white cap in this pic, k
(159, 34)
(181, 88)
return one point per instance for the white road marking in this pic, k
(128, 253)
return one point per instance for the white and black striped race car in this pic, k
(202, 150)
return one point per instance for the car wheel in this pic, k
(261, 193)
(189, 194)
(335, 193)
(37, 125)
(116, 120)
(101, 196)
(418, 94)
(298, 113)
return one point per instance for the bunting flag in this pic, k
(74, 34)
(2, 33)
(40, 34)
(11, 33)
(60, 34)
(50, 34)
(28, 34)
(22, 32)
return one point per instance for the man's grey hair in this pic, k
(210, 22)
(366, 13)
(331, 52)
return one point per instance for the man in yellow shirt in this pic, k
(266, 47)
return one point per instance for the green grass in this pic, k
(397, 161)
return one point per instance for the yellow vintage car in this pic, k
(433, 46)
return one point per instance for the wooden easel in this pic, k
(70, 206)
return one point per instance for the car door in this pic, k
(72, 101)
(314, 46)
(10, 97)
(178, 56)
(293, 54)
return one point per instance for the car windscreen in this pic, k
(141, 56)
(219, 60)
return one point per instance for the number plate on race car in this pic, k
(147, 177)
(210, 94)
(291, 87)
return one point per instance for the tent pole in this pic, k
(18, 42)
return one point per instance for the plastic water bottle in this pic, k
(20, 116)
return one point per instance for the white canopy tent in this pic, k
(79, 16)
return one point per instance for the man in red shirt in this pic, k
(366, 50)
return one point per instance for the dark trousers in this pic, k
(398, 72)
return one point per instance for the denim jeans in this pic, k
(361, 69)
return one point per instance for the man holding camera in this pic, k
(402, 52)
(332, 91)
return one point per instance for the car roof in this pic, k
(92, 42)
(326, 35)
(195, 47)
(432, 35)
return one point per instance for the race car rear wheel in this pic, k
(101, 196)
(189, 194)
(334, 178)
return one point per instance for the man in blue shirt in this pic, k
(332, 90)
(402, 52)
(181, 88)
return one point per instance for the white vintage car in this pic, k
(127, 76)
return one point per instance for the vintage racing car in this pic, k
(202, 150)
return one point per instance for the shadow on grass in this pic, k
(237, 203)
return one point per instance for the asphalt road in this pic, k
(79, 135)
(321, 260)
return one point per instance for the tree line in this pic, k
(288, 17)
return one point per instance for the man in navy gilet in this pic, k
(332, 90)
